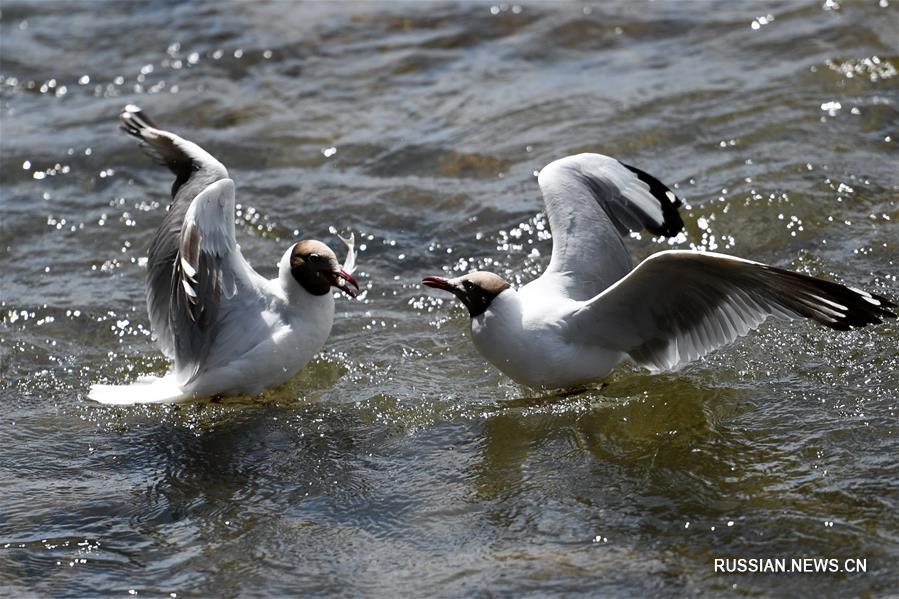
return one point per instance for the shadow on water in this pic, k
(214, 461)
(664, 454)
(615, 425)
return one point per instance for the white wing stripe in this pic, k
(832, 303)
(188, 270)
(188, 289)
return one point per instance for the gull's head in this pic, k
(315, 267)
(476, 289)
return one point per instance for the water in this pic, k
(399, 462)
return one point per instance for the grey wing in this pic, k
(591, 201)
(677, 306)
(194, 261)
(208, 270)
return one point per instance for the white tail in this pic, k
(146, 389)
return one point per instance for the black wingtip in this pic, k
(833, 305)
(134, 120)
(667, 199)
(158, 144)
(884, 308)
(136, 113)
(864, 309)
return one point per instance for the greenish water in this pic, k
(399, 462)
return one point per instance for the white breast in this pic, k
(522, 334)
(298, 331)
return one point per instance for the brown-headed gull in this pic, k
(228, 330)
(590, 310)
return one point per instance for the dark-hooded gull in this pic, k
(228, 330)
(589, 310)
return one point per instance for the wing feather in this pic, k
(677, 306)
(591, 201)
(194, 262)
(202, 266)
(173, 246)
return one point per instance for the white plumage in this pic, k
(227, 329)
(589, 310)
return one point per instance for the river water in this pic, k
(399, 462)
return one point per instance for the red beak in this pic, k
(437, 283)
(340, 284)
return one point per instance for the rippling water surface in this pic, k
(399, 461)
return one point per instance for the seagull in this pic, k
(228, 330)
(590, 309)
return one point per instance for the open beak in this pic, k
(437, 283)
(340, 279)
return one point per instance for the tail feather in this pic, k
(145, 390)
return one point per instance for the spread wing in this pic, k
(194, 262)
(591, 201)
(677, 306)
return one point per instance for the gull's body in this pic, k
(265, 339)
(228, 330)
(524, 334)
(590, 310)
